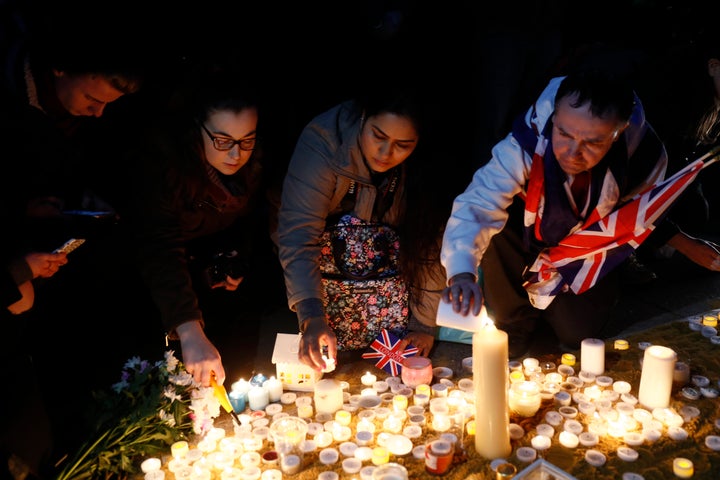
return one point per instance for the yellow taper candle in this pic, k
(490, 377)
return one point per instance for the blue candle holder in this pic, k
(258, 380)
(238, 400)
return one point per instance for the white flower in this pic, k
(171, 393)
(171, 360)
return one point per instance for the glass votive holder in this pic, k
(416, 370)
(524, 398)
(441, 422)
(390, 471)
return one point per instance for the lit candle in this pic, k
(592, 356)
(343, 417)
(368, 379)
(490, 376)
(274, 388)
(150, 465)
(656, 377)
(524, 398)
(683, 467)
(380, 456)
(568, 359)
(179, 449)
(329, 395)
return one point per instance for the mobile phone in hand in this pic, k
(70, 245)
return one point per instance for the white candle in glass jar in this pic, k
(328, 396)
(524, 398)
(490, 377)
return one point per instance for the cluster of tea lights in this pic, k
(390, 415)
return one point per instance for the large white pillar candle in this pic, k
(657, 377)
(592, 356)
(490, 377)
(328, 396)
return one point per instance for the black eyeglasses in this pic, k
(224, 144)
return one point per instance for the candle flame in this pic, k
(485, 320)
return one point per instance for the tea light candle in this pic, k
(150, 465)
(305, 411)
(274, 388)
(179, 449)
(329, 456)
(343, 417)
(400, 403)
(568, 359)
(490, 377)
(588, 439)
(368, 379)
(683, 467)
(621, 345)
(541, 442)
(380, 456)
(155, 475)
(526, 454)
(656, 377)
(595, 458)
(568, 439)
(288, 398)
(272, 474)
(380, 386)
(710, 320)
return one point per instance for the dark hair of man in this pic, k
(609, 94)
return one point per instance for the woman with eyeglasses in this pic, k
(195, 209)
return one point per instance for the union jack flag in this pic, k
(587, 255)
(386, 347)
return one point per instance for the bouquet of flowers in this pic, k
(151, 407)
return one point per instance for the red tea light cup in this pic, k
(416, 371)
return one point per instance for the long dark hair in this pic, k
(189, 108)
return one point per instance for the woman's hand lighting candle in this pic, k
(490, 377)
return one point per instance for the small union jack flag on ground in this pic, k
(386, 348)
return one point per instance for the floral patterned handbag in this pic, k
(363, 291)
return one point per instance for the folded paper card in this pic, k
(447, 317)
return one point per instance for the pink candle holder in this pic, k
(416, 371)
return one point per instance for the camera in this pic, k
(227, 264)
